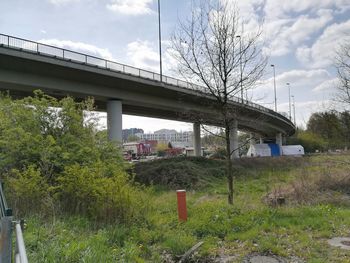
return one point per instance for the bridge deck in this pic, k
(26, 65)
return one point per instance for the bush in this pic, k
(220, 153)
(101, 193)
(309, 140)
(28, 190)
(52, 156)
(180, 172)
(199, 172)
(312, 142)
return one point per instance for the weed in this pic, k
(297, 228)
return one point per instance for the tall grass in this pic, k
(294, 230)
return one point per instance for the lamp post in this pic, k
(290, 105)
(274, 85)
(240, 64)
(160, 44)
(295, 122)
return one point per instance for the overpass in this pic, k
(121, 89)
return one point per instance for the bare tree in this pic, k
(342, 63)
(213, 49)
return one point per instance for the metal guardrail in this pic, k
(20, 252)
(6, 229)
(77, 57)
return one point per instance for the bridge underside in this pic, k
(131, 107)
(21, 73)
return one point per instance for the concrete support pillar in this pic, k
(234, 140)
(197, 139)
(284, 139)
(261, 141)
(251, 139)
(279, 139)
(114, 120)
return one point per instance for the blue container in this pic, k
(275, 149)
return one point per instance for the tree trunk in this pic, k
(229, 165)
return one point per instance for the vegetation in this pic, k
(207, 50)
(309, 140)
(216, 141)
(332, 126)
(82, 203)
(180, 173)
(342, 64)
(327, 130)
(53, 161)
(299, 229)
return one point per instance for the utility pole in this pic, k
(295, 122)
(240, 65)
(274, 85)
(160, 44)
(290, 105)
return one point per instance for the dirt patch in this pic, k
(341, 242)
(261, 258)
(345, 242)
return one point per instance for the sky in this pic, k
(300, 37)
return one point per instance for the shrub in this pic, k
(220, 153)
(52, 153)
(101, 193)
(28, 191)
(309, 140)
(312, 141)
(180, 172)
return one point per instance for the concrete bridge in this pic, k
(27, 65)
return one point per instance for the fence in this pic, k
(7, 225)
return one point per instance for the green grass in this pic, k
(250, 225)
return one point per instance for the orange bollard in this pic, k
(181, 205)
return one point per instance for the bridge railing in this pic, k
(73, 56)
(6, 230)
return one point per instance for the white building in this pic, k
(177, 139)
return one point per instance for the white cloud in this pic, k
(328, 85)
(79, 47)
(287, 24)
(61, 2)
(304, 26)
(285, 34)
(321, 53)
(275, 9)
(304, 109)
(302, 83)
(301, 79)
(145, 55)
(130, 7)
(142, 55)
(248, 11)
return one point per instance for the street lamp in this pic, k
(160, 44)
(295, 122)
(290, 105)
(274, 85)
(240, 64)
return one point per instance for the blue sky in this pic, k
(300, 37)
